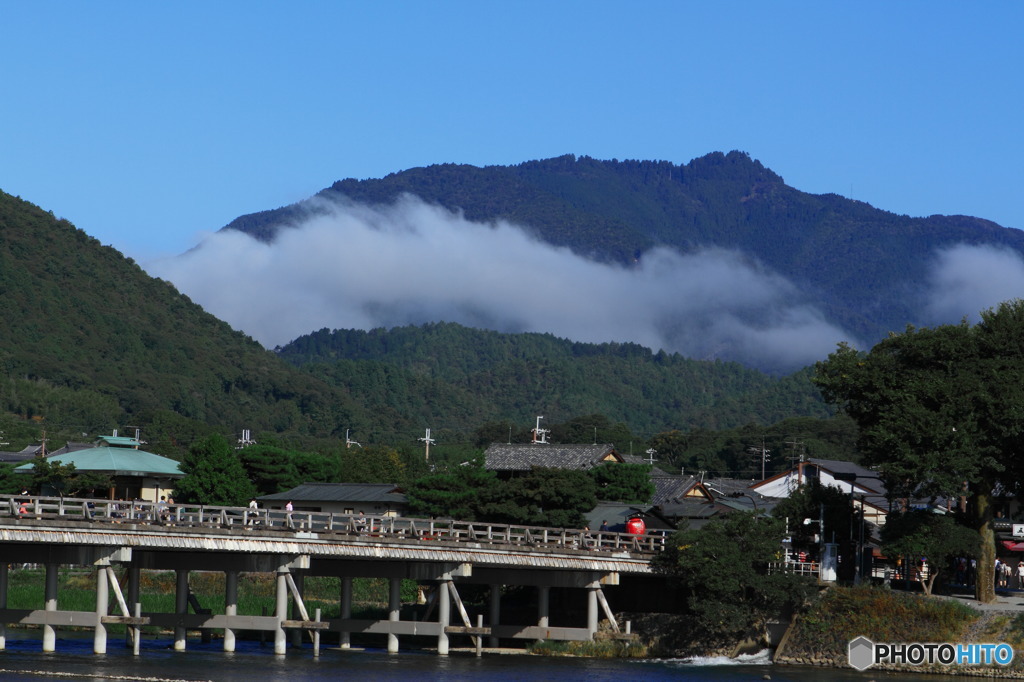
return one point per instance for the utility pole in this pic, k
(763, 453)
(349, 442)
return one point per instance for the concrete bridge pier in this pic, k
(180, 608)
(346, 610)
(50, 597)
(592, 590)
(495, 612)
(230, 606)
(444, 605)
(99, 641)
(281, 611)
(133, 634)
(394, 610)
(299, 579)
(543, 607)
(3, 604)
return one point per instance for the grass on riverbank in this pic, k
(822, 634)
(76, 590)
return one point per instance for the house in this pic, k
(863, 485)
(375, 499)
(134, 473)
(511, 458)
(28, 453)
(690, 502)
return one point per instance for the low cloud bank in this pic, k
(964, 280)
(351, 266)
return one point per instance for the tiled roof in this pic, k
(523, 457)
(669, 488)
(341, 492)
(25, 455)
(117, 462)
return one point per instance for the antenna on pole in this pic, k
(540, 435)
(246, 440)
(427, 442)
(349, 442)
(651, 452)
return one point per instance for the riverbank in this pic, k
(821, 636)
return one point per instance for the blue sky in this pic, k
(146, 124)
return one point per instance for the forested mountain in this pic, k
(446, 376)
(863, 267)
(90, 343)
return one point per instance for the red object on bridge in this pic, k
(636, 526)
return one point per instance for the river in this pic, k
(24, 660)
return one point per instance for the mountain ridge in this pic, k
(862, 266)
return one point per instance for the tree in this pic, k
(624, 482)
(270, 468)
(545, 497)
(820, 503)
(213, 475)
(65, 479)
(457, 493)
(724, 568)
(924, 534)
(939, 413)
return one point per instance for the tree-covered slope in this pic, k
(862, 266)
(90, 342)
(453, 377)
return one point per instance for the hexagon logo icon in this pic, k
(861, 653)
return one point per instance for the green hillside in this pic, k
(446, 376)
(90, 343)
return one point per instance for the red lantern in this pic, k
(636, 526)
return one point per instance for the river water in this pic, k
(24, 660)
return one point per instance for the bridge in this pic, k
(101, 534)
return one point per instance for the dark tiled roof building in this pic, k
(526, 456)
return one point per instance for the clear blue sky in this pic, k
(147, 123)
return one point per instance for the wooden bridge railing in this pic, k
(384, 528)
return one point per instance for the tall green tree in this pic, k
(724, 569)
(458, 492)
(939, 413)
(214, 475)
(623, 482)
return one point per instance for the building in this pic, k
(134, 473)
(512, 458)
(863, 485)
(374, 499)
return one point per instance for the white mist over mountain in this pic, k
(351, 266)
(968, 279)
